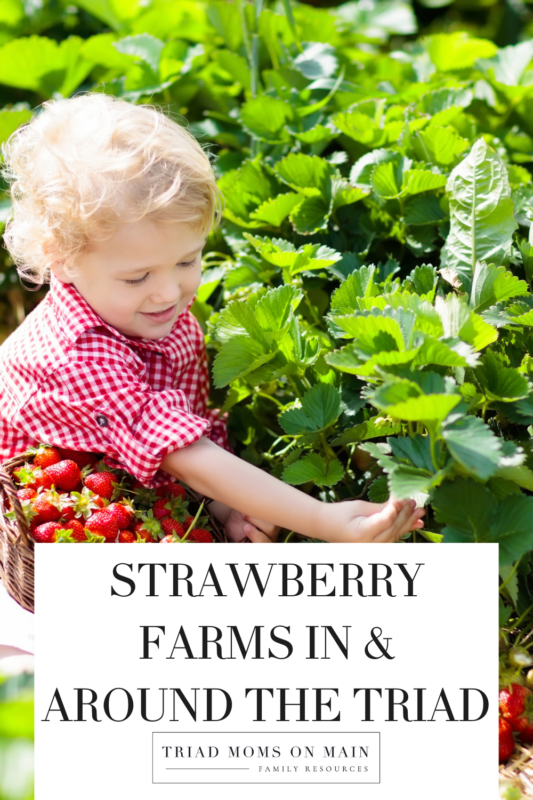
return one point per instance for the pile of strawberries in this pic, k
(68, 496)
(515, 700)
(516, 718)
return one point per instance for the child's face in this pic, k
(141, 278)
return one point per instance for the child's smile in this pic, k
(142, 277)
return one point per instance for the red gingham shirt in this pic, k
(69, 379)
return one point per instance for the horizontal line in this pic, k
(207, 768)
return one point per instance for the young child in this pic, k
(112, 204)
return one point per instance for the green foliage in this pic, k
(367, 300)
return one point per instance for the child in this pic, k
(112, 204)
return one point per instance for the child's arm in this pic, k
(209, 469)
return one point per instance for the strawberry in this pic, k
(46, 533)
(149, 525)
(47, 507)
(126, 537)
(161, 508)
(516, 706)
(172, 527)
(33, 478)
(142, 534)
(66, 475)
(505, 739)
(26, 494)
(512, 701)
(188, 521)
(200, 535)
(123, 513)
(71, 531)
(101, 483)
(84, 503)
(81, 459)
(171, 489)
(104, 524)
(169, 539)
(45, 456)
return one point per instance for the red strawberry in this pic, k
(200, 535)
(103, 523)
(81, 459)
(172, 527)
(101, 483)
(32, 478)
(123, 513)
(26, 494)
(47, 507)
(149, 525)
(72, 530)
(161, 508)
(45, 456)
(512, 701)
(66, 475)
(46, 533)
(142, 534)
(170, 489)
(506, 740)
(188, 522)
(126, 537)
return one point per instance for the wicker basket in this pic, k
(16, 543)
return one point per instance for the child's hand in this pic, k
(240, 527)
(359, 521)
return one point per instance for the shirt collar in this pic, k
(75, 316)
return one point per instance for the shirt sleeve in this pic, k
(108, 408)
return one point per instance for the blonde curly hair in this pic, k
(85, 165)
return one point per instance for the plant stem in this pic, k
(508, 578)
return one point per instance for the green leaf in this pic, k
(310, 216)
(246, 189)
(457, 51)
(430, 409)
(424, 279)
(362, 170)
(492, 284)
(378, 491)
(474, 446)
(317, 61)
(274, 310)
(441, 146)
(43, 66)
(502, 383)
(508, 64)
(359, 284)
(481, 214)
(309, 175)
(114, 13)
(238, 357)
(423, 210)
(312, 467)
(373, 428)
(276, 209)
(466, 508)
(143, 47)
(265, 117)
(12, 119)
(320, 408)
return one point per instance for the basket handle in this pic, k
(10, 492)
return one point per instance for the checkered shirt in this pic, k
(69, 379)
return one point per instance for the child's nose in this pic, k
(166, 292)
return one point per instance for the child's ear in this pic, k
(59, 271)
(57, 267)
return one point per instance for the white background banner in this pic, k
(363, 671)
